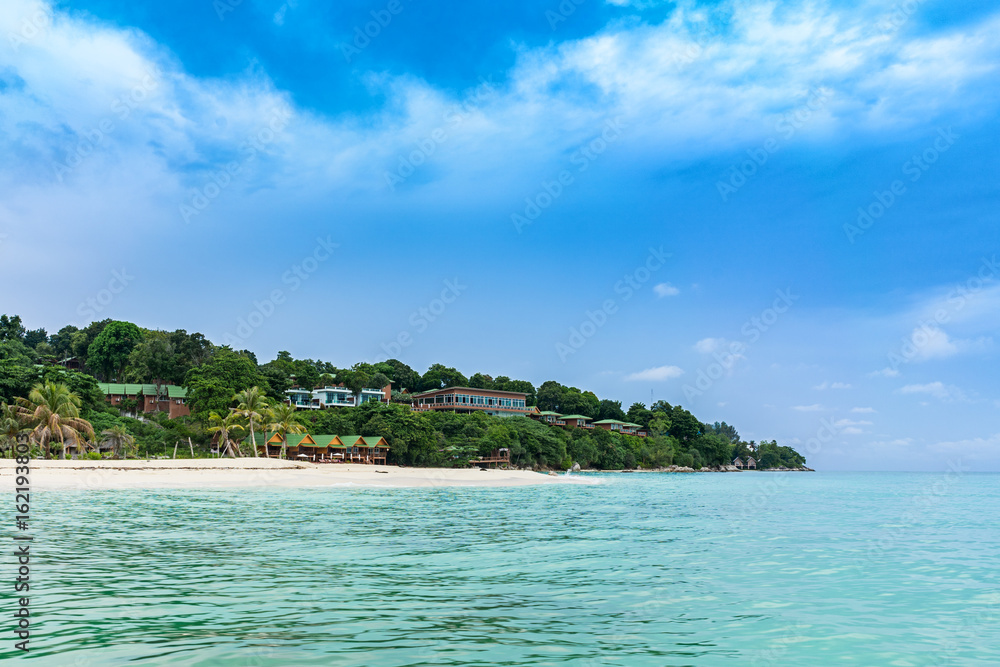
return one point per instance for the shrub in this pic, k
(684, 460)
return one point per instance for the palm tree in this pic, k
(121, 441)
(54, 411)
(283, 422)
(252, 405)
(11, 424)
(225, 426)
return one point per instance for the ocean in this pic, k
(758, 569)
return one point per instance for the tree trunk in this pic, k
(253, 439)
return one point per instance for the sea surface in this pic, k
(632, 569)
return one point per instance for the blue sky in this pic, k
(519, 162)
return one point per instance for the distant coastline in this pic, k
(705, 469)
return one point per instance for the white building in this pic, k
(334, 397)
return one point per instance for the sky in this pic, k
(778, 215)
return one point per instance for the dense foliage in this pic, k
(218, 380)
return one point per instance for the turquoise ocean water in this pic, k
(754, 569)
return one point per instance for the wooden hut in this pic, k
(327, 448)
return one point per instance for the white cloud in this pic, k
(851, 422)
(851, 427)
(970, 448)
(931, 343)
(898, 442)
(709, 345)
(672, 88)
(657, 374)
(885, 373)
(665, 289)
(815, 407)
(865, 411)
(938, 390)
(832, 385)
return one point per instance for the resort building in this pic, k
(498, 458)
(577, 421)
(170, 398)
(468, 399)
(749, 464)
(582, 421)
(337, 396)
(628, 428)
(367, 450)
(548, 416)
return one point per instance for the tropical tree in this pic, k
(152, 360)
(211, 386)
(121, 441)
(225, 426)
(54, 412)
(110, 350)
(11, 424)
(252, 406)
(283, 421)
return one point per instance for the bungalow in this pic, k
(498, 458)
(577, 420)
(326, 448)
(738, 462)
(628, 428)
(751, 463)
(547, 416)
(170, 398)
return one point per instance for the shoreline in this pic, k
(258, 473)
(261, 473)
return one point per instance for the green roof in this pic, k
(631, 424)
(576, 417)
(609, 421)
(323, 440)
(294, 439)
(549, 412)
(128, 389)
(123, 389)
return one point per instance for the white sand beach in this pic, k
(258, 473)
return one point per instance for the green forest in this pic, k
(228, 389)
